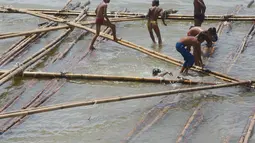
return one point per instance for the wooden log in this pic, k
(106, 77)
(31, 111)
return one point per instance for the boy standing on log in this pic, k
(102, 19)
(199, 12)
(152, 24)
(187, 42)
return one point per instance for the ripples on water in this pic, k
(224, 116)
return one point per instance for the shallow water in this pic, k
(225, 115)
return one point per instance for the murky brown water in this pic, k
(225, 115)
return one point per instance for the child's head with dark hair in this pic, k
(201, 36)
(155, 2)
(213, 32)
(191, 26)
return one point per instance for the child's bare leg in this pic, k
(182, 70)
(113, 27)
(151, 33)
(157, 31)
(91, 47)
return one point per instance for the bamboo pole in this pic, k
(21, 43)
(245, 130)
(11, 35)
(11, 102)
(192, 117)
(30, 111)
(189, 122)
(16, 49)
(33, 58)
(241, 48)
(139, 14)
(36, 31)
(131, 45)
(106, 77)
(5, 77)
(37, 97)
(250, 130)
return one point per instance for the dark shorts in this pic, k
(200, 17)
(188, 57)
(100, 21)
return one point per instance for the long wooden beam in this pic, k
(30, 111)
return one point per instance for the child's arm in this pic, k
(105, 13)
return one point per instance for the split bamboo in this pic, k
(31, 111)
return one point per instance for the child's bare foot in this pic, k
(92, 48)
(115, 38)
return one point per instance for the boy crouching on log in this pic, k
(102, 19)
(187, 42)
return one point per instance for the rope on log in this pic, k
(30, 111)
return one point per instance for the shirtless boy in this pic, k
(211, 36)
(102, 19)
(199, 12)
(187, 42)
(152, 24)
